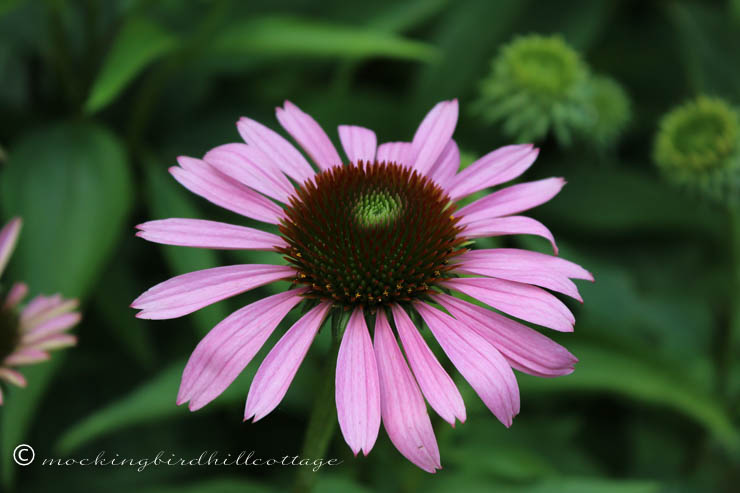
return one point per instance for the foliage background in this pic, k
(98, 98)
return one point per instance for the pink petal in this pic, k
(40, 304)
(12, 376)
(394, 152)
(229, 347)
(510, 200)
(524, 266)
(499, 166)
(200, 233)
(359, 143)
(26, 357)
(511, 225)
(192, 291)
(447, 165)
(242, 163)
(477, 360)
(402, 407)
(54, 341)
(15, 295)
(57, 324)
(524, 348)
(277, 151)
(437, 386)
(433, 134)
(44, 308)
(309, 135)
(276, 372)
(8, 239)
(357, 393)
(523, 301)
(204, 180)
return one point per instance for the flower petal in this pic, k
(15, 295)
(8, 239)
(277, 371)
(394, 152)
(510, 200)
(27, 356)
(277, 151)
(402, 407)
(437, 386)
(43, 308)
(433, 134)
(498, 166)
(54, 341)
(511, 225)
(242, 163)
(192, 291)
(12, 376)
(200, 233)
(447, 164)
(359, 143)
(203, 179)
(477, 360)
(229, 347)
(523, 301)
(524, 348)
(55, 325)
(357, 393)
(309, 135)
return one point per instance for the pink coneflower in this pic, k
(26, 337)
(377, 235)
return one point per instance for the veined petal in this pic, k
(200, 233)
(478, 361)
(523, 301)
(496, 167)
(12, 376)
(433, 134)
(357, 393)
(277, 371)
(57, 324)
(501, 256)
(192, 291)
(394, 152)
(277, 151)
(229, 347)
(44, 308)
(309, 135)
(437, 386)
(524, 348)
(8, 239)
(359, 143)
(511, 200)
(511, 225)
(242, 163)
(203, 179)
(402, 407)
(447, 164)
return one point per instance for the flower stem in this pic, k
(323, 420)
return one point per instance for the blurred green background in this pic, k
(98, 98)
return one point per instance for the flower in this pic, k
(378, 237)
(39, 327)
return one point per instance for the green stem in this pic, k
(323, 420)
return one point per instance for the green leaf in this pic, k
(139, 43)
(70, 183)
(211, 486)
(286, 36)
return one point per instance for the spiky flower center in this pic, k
(370, 234)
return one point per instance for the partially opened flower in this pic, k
(377, 235)
(27, 335)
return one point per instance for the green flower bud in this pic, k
(611, 111)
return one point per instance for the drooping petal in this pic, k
(203, 179)
(27, 356)
(436, 385)
(357, 392)
(402, 407)
(12, 376)
(447, 164)
(229, 347)
(496, 167)
(394, 152)
(8, 239)
(54, 341)
(477, 360)
(524, 348)
(523, 301)
(511, 225)
(242, 163)
(309, 134)
(55, 325)
(277, 151)
(276, 372)
(200, 233)
(192, 291)
(511, 200)
(44, 308)
(433, 134)
(15, 295)
(359, 143)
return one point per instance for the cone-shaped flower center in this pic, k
(370, 233)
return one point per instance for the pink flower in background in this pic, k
(39, 327)
(378, 236)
